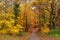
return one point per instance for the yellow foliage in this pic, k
(45, 29)
(13, 31)
(43, 0)
(2, 21)
(4, 31)
(9, 28)
(19, 26)
(7, 23)
(50, 1)
(12, 21)
(46, 11)
(10, 10)
(23, 6)
(33, 16)
(16, 29)
(1, 3)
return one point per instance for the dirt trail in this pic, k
(34, 37)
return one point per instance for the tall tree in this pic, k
(16, 10)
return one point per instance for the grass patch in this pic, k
(54, 33)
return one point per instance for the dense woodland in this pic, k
(18, 16)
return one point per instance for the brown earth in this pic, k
(28, 37)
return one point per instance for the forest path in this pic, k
(34, 36)
(29, 37)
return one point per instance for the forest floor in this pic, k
(28, 37)
(19, 38)
(37, 37)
